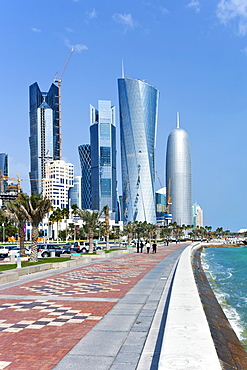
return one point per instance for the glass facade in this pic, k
(75, 192)
(178, 173)
(138, 102)
(103, 156)
(4, 170)
(44, 140)
(85, 160)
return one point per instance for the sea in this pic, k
(226, 270)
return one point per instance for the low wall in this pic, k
(187, 342)
(12, 275)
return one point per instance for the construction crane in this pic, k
(8, 178)
(58, 81)
(168, 215)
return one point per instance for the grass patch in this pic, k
(11, 266)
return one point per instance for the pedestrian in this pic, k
(154, 247)
(141, 246)
(137, 246)
(148, 246)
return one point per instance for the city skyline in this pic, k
(194, 52)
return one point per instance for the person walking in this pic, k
(154, 247)
(148, 247)
(137, 246)
(141, 246)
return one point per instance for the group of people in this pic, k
(140, 246)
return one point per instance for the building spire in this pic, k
(178, 124)
(122, 68)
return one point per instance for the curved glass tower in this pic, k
(178, 176)
(138, 103)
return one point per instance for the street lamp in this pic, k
(3, 232)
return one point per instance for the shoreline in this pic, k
(228, 346)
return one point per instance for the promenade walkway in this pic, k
(96, 316)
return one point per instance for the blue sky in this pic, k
(193, 52)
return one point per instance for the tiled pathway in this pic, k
(42, 320)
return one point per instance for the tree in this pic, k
(65, 215)
(15, 213)
(105, 210)
(91, 220)
(57, 217)
(34, 209)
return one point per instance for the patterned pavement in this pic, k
(35, 334)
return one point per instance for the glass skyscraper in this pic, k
(4, 170)
(138, 102)
(85, 160)
(178, 176)
(103, 156)
(44, 140)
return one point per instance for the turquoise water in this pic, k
(226, 270)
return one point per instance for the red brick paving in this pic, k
(41, 349)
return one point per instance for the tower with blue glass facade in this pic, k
(103, 156)
(85, 160)
(138, 103)
(4, 170)
(45, 136)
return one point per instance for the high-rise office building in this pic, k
(178, 176)
(103, 156)
(44, 140)
(85, 160)
(4, 171)
(138, 102)
(197, 215)
(75, 193)
(59, 178)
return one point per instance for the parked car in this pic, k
(4, 250)
(14, 250)
(84, 246)
(46, 249)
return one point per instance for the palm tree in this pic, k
(34, 209)
(14, 212)
(105, 210)
(65, 214)
(57, 217)
(91, 220)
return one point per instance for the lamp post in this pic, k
(3, 232)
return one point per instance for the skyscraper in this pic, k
(138, 102)
(58, 181)
(75, 193)
(44, 140)
(4, 171)
(85, 160)
(103, 156)
(178, 176)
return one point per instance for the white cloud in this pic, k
(244, 50)
(164, 10)
(69, 30)
(78, 47)
(93, 14)
(125, 19)
(230, 10)
(195, 4)
(34, 29)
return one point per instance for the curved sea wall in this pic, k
(197, 334)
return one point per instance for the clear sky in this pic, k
(193, 52)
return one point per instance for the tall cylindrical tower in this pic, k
(178, 175)
(138, 103)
